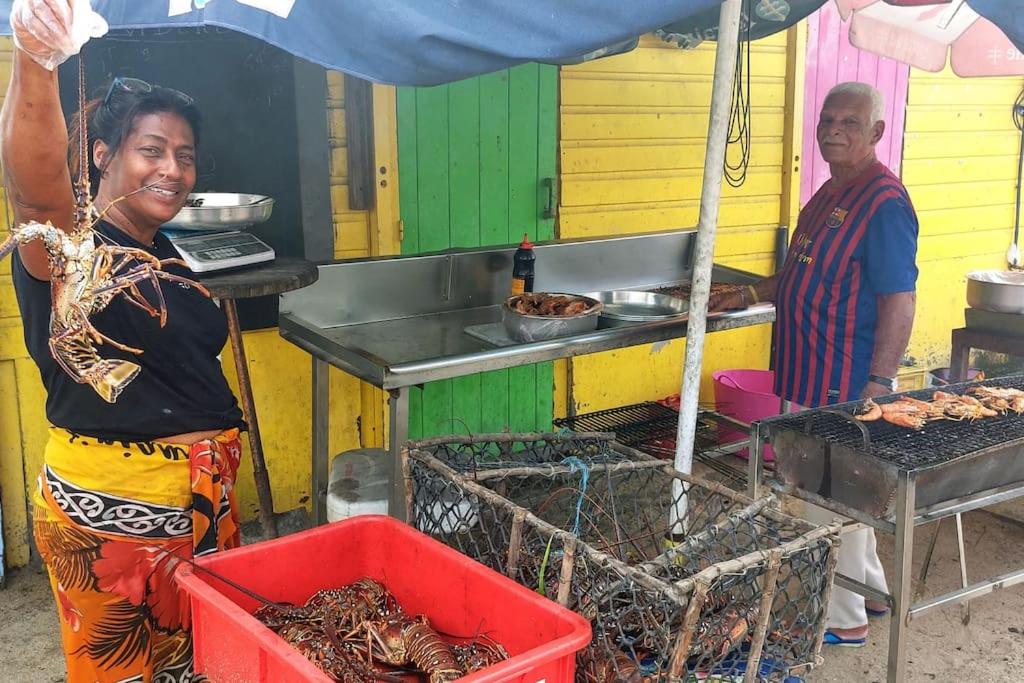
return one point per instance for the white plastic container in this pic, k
(358, 484)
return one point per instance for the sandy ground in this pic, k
(941, 648)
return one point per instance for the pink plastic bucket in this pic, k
(745, 395)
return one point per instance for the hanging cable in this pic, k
(739, 116)
(1013, 255)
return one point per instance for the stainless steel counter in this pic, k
(408, 351)
(400, 322)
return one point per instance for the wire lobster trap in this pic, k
(682, 580)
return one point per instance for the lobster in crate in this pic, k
(354, 633)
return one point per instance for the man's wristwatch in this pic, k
(887, 382)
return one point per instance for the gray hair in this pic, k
(862, 90)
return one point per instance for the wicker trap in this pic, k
(682, 580)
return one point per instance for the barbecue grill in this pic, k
(651, 428)
(893, 478)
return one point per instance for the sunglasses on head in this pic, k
(137, 86)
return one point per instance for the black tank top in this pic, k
(180, 387)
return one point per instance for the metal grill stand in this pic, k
(886, 495)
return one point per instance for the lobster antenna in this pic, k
(101, 214)
(82, 183)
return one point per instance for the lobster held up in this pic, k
(84, 278)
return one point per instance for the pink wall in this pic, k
(831, 59)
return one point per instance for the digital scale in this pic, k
(208, 231)
(207, 251)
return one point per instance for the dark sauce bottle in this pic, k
(522, 267)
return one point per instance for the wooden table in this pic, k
(276, 277)
(966, 338)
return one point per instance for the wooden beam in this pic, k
(792, 136)
(359, 134)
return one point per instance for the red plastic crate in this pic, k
(459, 595)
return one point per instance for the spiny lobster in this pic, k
(85, 277)
(351, 632)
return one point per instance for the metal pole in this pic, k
(711, 192)
(398, 417)
(320, 428)
(259, 464)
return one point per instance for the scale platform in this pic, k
(209, 251)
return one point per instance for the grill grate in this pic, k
(938, 443)
(682, 291)
(651, 428)
(633, 425)
(638, 424)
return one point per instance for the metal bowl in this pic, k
(530, 328)
(222, 211)
(626, 308)
(996, 290)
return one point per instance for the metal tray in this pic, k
(623, 307)
(996, 290)
(222, 211)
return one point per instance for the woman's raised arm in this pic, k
(33, 133)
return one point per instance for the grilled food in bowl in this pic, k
(541, 316)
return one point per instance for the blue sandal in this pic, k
(832, 639)
(876, 612)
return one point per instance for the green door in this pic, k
(472, 157)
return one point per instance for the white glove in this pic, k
(50, 31)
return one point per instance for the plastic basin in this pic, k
(459, 595)
(745, 395)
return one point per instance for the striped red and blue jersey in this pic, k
(852, 244)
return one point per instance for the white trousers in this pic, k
(858, 559)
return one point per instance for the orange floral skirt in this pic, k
(112, 521)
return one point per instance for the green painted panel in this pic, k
(464, 203)
(408, 197)
(472, 156)
(494, 189)
(494, 226)
(464, 163)
(432, 168)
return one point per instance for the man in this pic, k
(845, 302)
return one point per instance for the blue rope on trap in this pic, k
(577, 465)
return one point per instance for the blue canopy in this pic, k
(413, 42)
(426, 42)
(1009, 16)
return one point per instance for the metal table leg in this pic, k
(922, 578)
(321, 424)
(259, 465)
(959, 357)
(398, 434)
(965, 607)
(905, 503)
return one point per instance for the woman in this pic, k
(128, 489)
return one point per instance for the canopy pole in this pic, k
(711, 192)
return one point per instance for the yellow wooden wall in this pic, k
(633, 134)
(960, 168)
(280, 372)
(21, 394)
